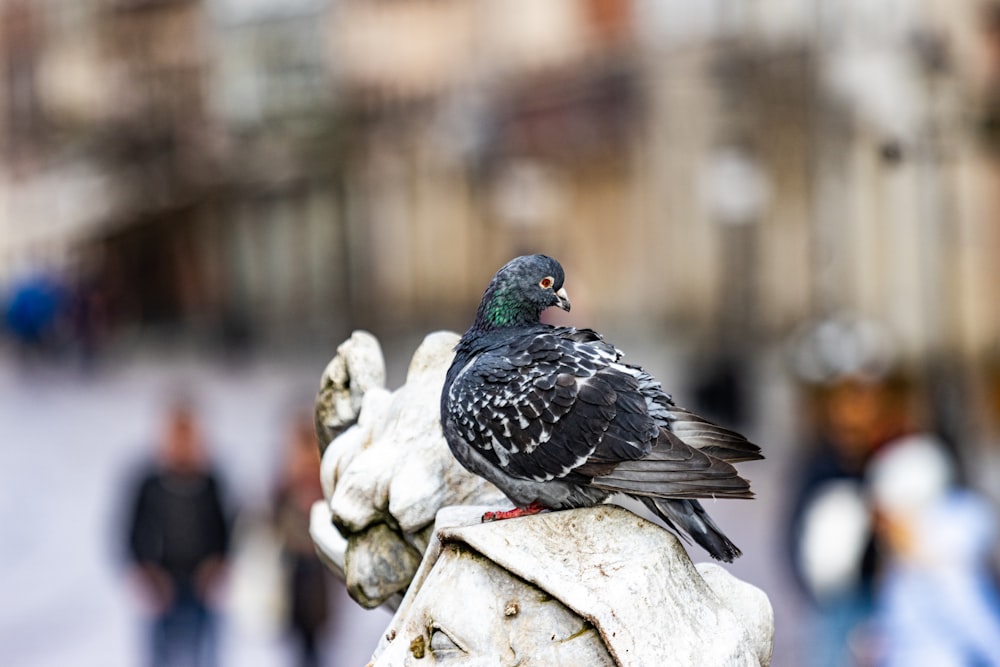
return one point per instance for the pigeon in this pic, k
(555, 419)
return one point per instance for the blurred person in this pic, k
(178, 541)
(831, 532)
(90, 318)
(936, 600)
(308, 604)
(32, 313)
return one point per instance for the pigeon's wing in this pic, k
(545, 403)
(559, 402)
(672, 469)
(690, 456)
(710, 438)
(693, 430)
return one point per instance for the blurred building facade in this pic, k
(298, 169)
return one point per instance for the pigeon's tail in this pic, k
(688, 516)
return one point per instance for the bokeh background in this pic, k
(761, 201)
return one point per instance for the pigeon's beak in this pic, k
(563, 299)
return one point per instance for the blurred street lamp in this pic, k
(736, 192)
(734, 186)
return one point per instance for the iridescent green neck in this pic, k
(502, 308)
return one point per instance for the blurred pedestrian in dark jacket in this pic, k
(178, 540)
(298, 489)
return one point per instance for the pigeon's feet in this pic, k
(533, 508)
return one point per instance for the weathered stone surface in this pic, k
(749, 603)
(472, 611)
(378, 564)
(609, 576)
(392, 467)
(357, 367)
(331, 546)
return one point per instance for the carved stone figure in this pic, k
(595, 586)
(386, 476)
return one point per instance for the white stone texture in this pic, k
(386, 476)
(357, 367)
(610, 575)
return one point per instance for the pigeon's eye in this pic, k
(546, 282)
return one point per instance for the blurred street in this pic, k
(70, 444)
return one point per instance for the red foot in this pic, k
(533, 508)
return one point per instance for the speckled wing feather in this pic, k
(539, 405)
(556, 402)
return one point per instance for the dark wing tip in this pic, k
(690, 520)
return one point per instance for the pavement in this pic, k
(70, 441)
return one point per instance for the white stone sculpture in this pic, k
(386, 476)
(595, 586)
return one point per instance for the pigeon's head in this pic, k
(521, 290)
